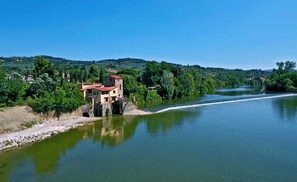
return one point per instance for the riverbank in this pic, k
(41, 131)
(20, 126)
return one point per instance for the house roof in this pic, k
(86, 86)
(105, 89)
(116, 76)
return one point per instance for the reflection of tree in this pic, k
(45, 155)
(163, 122)
(286, 108)
(110, 131)
(244, 92)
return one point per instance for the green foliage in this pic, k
(42, 85)
(167, 80)
(167, 84)
(130, 84)
(153, 97)
(12, 89)
(42, 66)
(151, 75)
(129, 71)
(94, 74)
(188, 84)
(62, 100)
(285, 67)
(283, 78)
(137, 99)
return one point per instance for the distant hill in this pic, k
(23, 64)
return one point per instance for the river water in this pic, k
(243, 141)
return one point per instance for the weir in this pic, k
(224, 102)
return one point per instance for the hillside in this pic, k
(20, 64)
(25, 64)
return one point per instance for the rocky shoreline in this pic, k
(48, 129)
(40, 132)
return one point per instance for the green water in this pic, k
(247, 141)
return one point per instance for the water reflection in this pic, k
(241, 91)
(165, 122)
(112, 131)
(45, 155)
(108, 132)
(44, 158)
(286, 109)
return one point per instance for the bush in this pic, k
(153, 97)
(62, 100)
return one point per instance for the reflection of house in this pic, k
(103, 96)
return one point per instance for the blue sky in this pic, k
(216, 33)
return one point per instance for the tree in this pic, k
(94, 73)
(283, 78)
(62, 100)
(151, 75)
(167, 84)
(42, 66)
(166, 66)
(130, 83)
(12, 88)
(42, 85)
(3, 87)
(187, 82)
(285, 67)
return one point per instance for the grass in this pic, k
(30, 124)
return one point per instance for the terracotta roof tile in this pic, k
(105, 89)
(87, 86)
(116, 76)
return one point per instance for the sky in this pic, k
(243, 34)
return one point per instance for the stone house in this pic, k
(104, 96)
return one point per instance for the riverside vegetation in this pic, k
(284, 78)
(56, 81)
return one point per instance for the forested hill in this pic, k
(20, 64)
(25, 64)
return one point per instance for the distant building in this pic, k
(103, 96)
(30, 79)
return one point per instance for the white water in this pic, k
(224, 102)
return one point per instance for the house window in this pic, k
(120, 86)
(106, 99)
(114, 92)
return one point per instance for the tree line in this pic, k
(164, 81)
(56, 87)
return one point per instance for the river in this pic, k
(243, 141)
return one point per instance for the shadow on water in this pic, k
(286, 109)
(108, 132)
